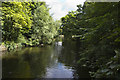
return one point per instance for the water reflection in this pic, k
(55, 61)
(59, 71)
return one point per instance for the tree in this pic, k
(44, 28)
(16, 20)
(97, 25)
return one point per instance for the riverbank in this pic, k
(2, 48)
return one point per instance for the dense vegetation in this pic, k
(96, 26)
(27, 24)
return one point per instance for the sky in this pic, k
(59, 8)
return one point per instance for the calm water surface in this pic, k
(53, 61)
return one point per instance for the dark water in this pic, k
(53, 61)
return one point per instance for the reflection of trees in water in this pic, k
(67, 55)
(31, 64)
(39, 61)
(14, 67)
(70, 55)
(34, 62)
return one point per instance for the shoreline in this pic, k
(2, 48)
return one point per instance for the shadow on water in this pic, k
(53, 61)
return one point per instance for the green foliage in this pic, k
(27, 24)
(12, 45)
(96, 24)
(44, 28)
(69, 26)
(16, 19)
